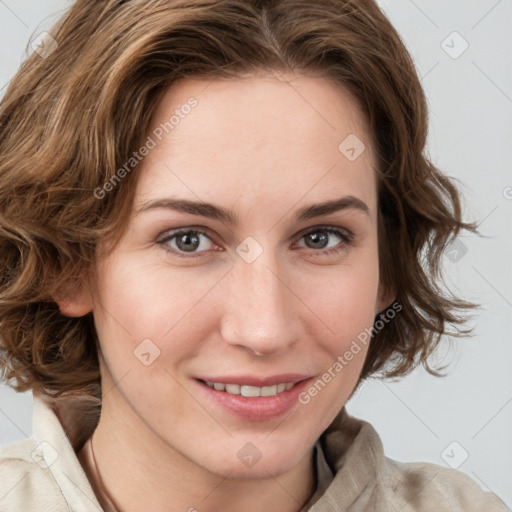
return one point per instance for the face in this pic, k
(260, 292)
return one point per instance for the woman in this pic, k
(212, 232)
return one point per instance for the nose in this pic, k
(261, 310)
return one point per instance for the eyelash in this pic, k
(345, 235)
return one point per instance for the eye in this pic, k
(185, 242)
(320, 238)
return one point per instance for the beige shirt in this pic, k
(43, 473)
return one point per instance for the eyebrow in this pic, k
(212, 211)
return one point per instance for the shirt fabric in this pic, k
(43, 473)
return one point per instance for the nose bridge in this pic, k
(260, 308)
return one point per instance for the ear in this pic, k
(74, 302)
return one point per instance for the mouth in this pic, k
(254, 398)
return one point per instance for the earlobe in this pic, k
(76, 305)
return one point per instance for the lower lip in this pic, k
(260, 408)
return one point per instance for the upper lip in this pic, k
(258, 381)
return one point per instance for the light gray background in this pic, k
(471, 132)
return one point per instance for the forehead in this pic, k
(257, 139)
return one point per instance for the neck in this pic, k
(142, 472)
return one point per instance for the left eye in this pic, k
(321, 236)
(186, 243)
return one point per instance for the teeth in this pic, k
(268, 390)
(234, 389)
(251, 391)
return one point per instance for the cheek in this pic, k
(148, 320)
(137, 301)
(346, 299)
(345, 304)
(341, 338)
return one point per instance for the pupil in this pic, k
(188, 241)
(320, 239)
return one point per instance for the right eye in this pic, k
(184, 242)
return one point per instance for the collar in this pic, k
(355, 454)
(55, 452)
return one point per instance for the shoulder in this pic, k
(26, 481)
(424, 486)
(364, 478)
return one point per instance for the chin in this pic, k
(248, 457)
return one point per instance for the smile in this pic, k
(254, 397)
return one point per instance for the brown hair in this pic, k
(70, 120)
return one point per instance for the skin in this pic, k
(264, 147)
